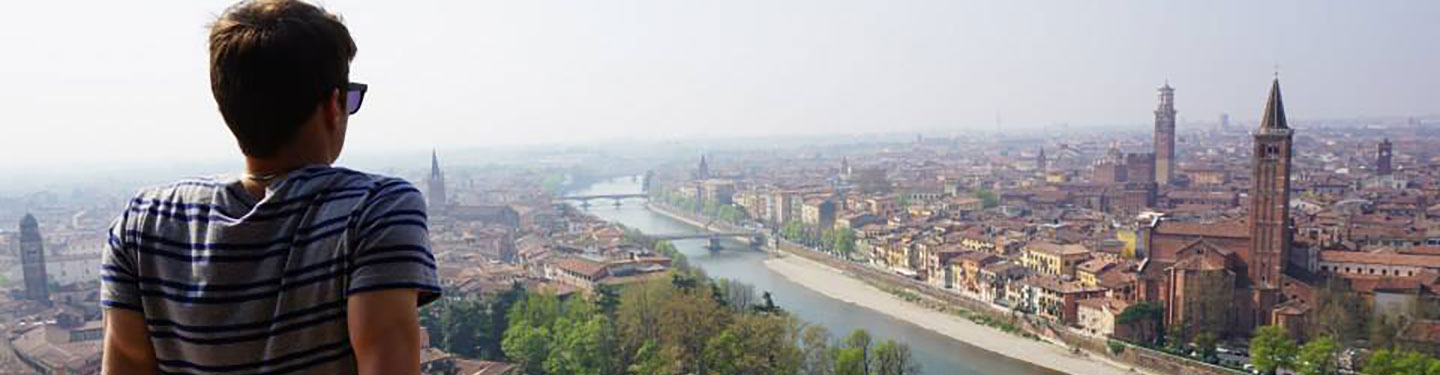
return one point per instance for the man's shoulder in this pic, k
(382, 189)
(189, 190)
(375, 182)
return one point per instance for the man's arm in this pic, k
(385, 332)
(127, 349)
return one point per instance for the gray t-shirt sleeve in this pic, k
(119, 286)
(392, 245)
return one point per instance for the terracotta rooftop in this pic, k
(1056, 249)
(1226, 229)
(1389, 259)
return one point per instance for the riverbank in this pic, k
(836, 284)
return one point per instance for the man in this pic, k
(294, 267)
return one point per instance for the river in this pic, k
(937, 354)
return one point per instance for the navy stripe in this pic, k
(293, 368)
(118, 270)
(122, 305)
(272, 282)
(175, 326)
(228, 258)
(406, 189)
(364, 254)
(242, 297)
(269, 362)
(323, 319)
(424, 287)
(396, 223)
(392, 214)
(205, 216)
(395, 259)
(283, 240)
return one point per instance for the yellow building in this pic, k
(1048, 258)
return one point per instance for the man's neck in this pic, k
(259, 173)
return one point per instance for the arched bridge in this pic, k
(756, 240)
(585, 199)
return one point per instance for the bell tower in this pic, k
(1165, 135)
(1270, 222)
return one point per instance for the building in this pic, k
(717, 192)
(32, 260)
(585, 273)
(1041, 164)
(1383, 158)
(1270, 222)
(781, 207)
(1111, 168)
(1047, 258)
(702, 172)
(1188, 263)
(488, 214)
(1140, 167)
(1165, 136)
(1375, 264)
(436, 199)
(818, 213)
(67, 347)
(1097, 316)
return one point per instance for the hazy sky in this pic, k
(94, 82)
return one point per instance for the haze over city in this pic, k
(126, 81)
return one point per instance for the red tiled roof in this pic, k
(1389, 259)
(1226, 229)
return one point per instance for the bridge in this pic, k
(618, 198)
(756, 239)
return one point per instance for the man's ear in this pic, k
(331, 110)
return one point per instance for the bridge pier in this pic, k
(714, 245)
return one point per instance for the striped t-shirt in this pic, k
(232, 285)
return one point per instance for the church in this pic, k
(1231, 276)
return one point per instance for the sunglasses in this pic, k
(354, 96)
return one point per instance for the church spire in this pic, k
(1274, 109)
(435, 164)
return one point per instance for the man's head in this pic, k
(279, 70)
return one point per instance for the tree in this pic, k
(1401, 362)
(851, 361)
(819, 359)
(1339, 312)
(687, 321)
(738, 296)
(1317, 357)
(793, 230)
(1175, 338)
(1382, 361)
(1272, 349)
(527, 347)
(607, 297)
(649, 361)
(1147, 319)
(893, 358)
(986, 197)
(860, 341)
(844, 241)
(767, 306)
(1206, 344)
(582, 347)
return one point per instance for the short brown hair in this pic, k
(271, 63)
